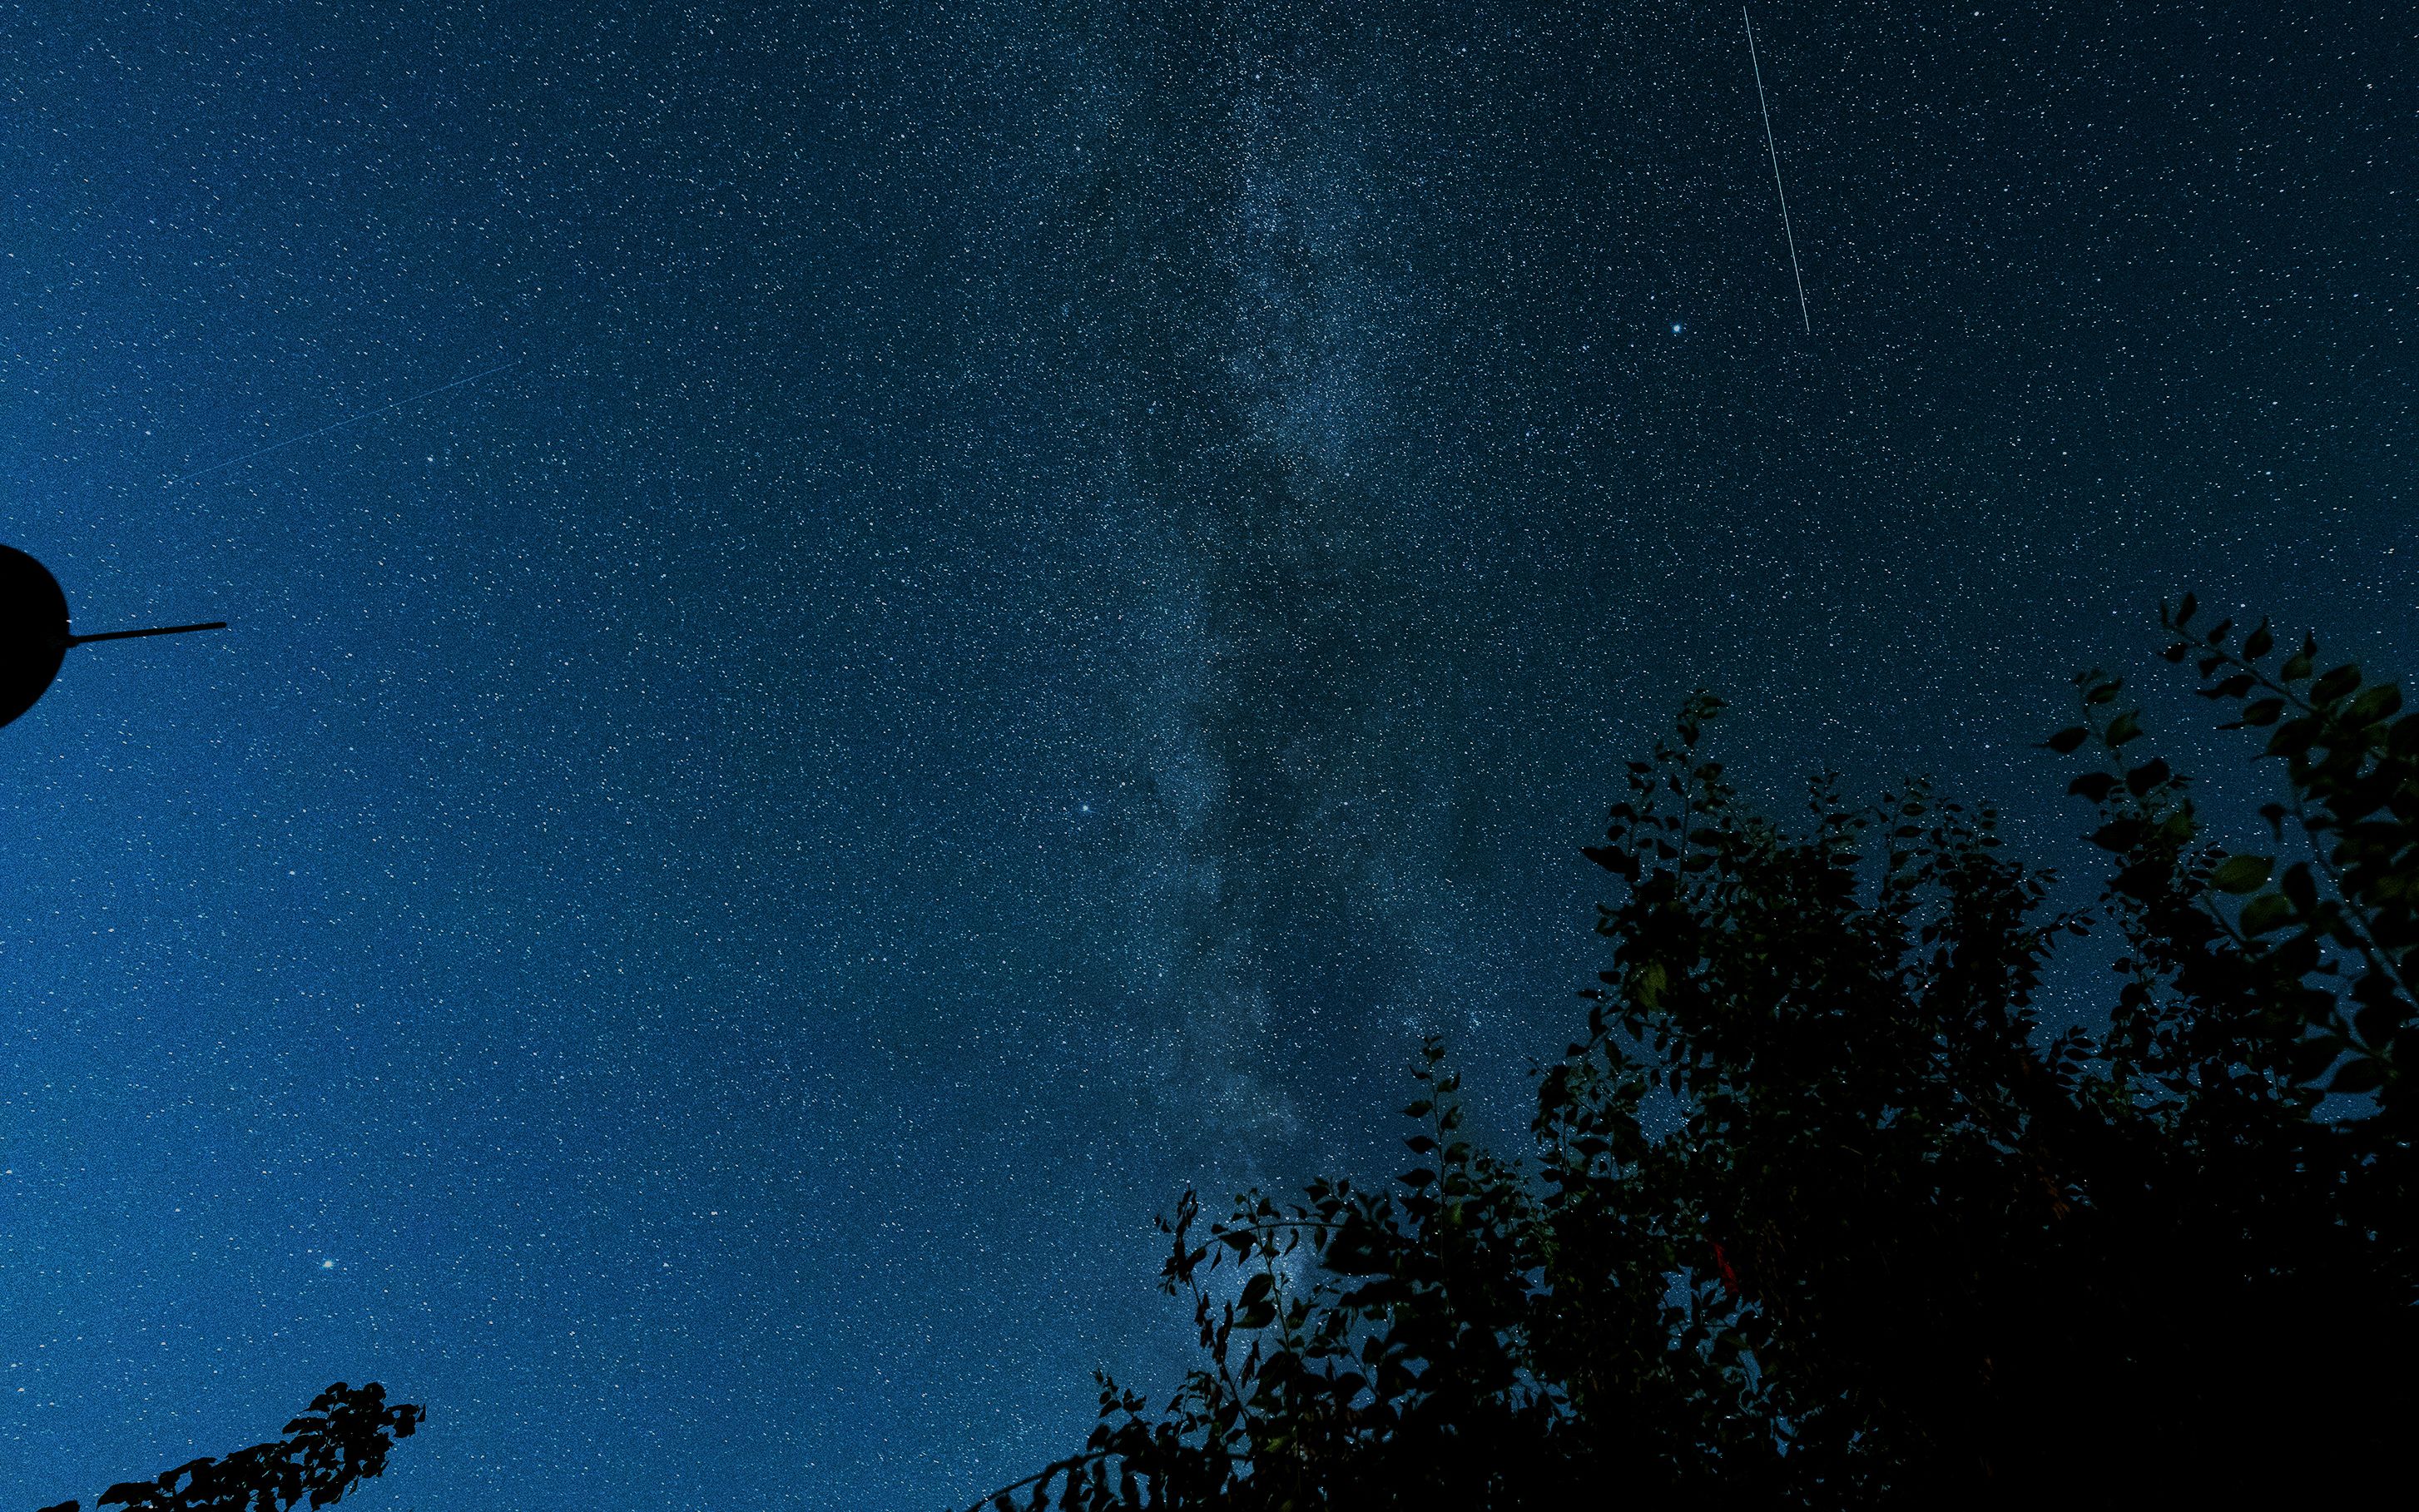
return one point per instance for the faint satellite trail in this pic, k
(350, 420)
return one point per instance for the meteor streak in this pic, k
(1769, 147)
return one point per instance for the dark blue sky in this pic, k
(1053, 585)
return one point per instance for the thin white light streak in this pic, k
(352, 420)
(1769, 147)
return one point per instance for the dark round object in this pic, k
(33, 631)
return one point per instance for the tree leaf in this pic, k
(2363, 1073)
(2151, 774)
(2243, 873)
(2377, 1022)
(2300, 886)
(2298, 665)
(2380, 703)
(2264, 913)
(2335, 684)
(2120, 835)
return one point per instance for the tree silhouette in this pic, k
(341, 1440)
(1818, 1213)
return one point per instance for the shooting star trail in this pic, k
(1774, 150)
(350, 420)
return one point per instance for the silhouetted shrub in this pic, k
(342, 1439)
(1818, 1214)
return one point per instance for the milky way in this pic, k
(1052, 586)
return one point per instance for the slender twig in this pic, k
(1071, 1462)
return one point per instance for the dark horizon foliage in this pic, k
(1818, 1213)
(342, 1439)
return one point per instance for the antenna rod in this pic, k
(1770, 148)
(133, 635)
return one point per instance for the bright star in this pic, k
(1675, 327)
(327, 1265)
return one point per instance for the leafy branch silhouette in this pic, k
(1818, 1212)
(341, 1440)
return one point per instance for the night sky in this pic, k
(1052, 585)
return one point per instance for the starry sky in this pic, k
(1050, 585)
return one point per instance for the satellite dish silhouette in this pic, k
(33, 634)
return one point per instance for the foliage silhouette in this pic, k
(1818, 1213)
(341, 1440)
